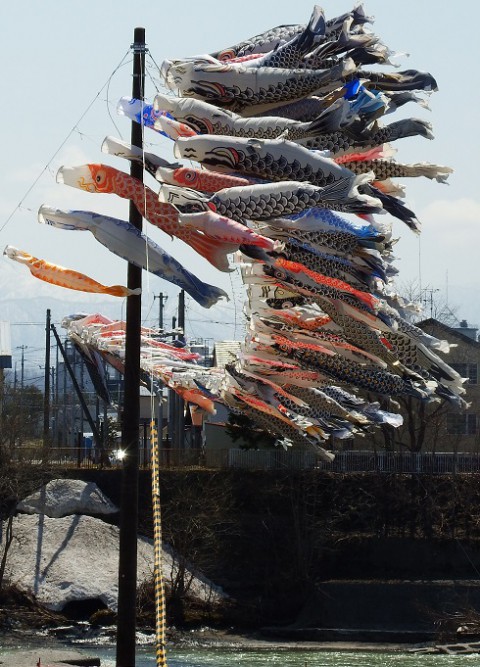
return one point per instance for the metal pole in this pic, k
(180, 407)
(76, 387)
(145, 437)
(54, 406)
(56, 399)
(74, 400)
(46, 395)
(22, 372)
(172, 425)
(162, 299)
(127, 567)
(65, 406)
(2, 395)
(82, 387)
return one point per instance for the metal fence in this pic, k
(405, 462)
(263, 459)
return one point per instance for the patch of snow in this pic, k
(62, 497)
(74, 558)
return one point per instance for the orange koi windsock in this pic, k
(58, 275)
(336, 283)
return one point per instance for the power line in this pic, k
(62, 144)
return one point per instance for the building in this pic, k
(457, 430)
(439, 426)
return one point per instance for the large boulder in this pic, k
(75, 558)
(62, 497)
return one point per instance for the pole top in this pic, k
(138, 45)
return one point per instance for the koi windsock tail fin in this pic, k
(332, 119)
(409, 127)
(211, 249)
(382, 152)
(396, 208)
(435, 172)
(315, 28)
(351, 195)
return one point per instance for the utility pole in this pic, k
(46, 394)
(181, 314)
(172, 406)
(180, 403)
(430, 291)
(65, 407)
(162, 299)
(127, 567)
(54, 405)
(82, 387)
(56, 398)
(22, 364)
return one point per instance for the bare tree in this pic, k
(22, 410)
(20, 423)
(427, 302)
(17, 480)
(193, 527)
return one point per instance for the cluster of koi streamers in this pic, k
(289, 131)
(100, 338)
(288, 128)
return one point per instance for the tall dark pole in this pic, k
(172, 421)
(56, 398)
(162, 298)
(179, 402)
(84, 407)
(127, 566)
(46, 395)
(181, 313)
(22, 363)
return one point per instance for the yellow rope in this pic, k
(160, 610)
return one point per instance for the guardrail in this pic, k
(264, 459)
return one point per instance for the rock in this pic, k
(62, 497)
(75, 558)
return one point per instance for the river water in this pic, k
(288, 658)
(267, 657)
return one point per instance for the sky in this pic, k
(66, 65)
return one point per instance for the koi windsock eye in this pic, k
(100, 177)
(227, 54)
(190, 176)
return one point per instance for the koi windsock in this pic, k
(124, 240)
(58, 275)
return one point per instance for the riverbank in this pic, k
(32, 626)
(25, 623)
(207, 638)
(81, 643)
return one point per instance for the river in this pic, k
(289, 658)
(266, 657)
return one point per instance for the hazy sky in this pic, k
(65, 65)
